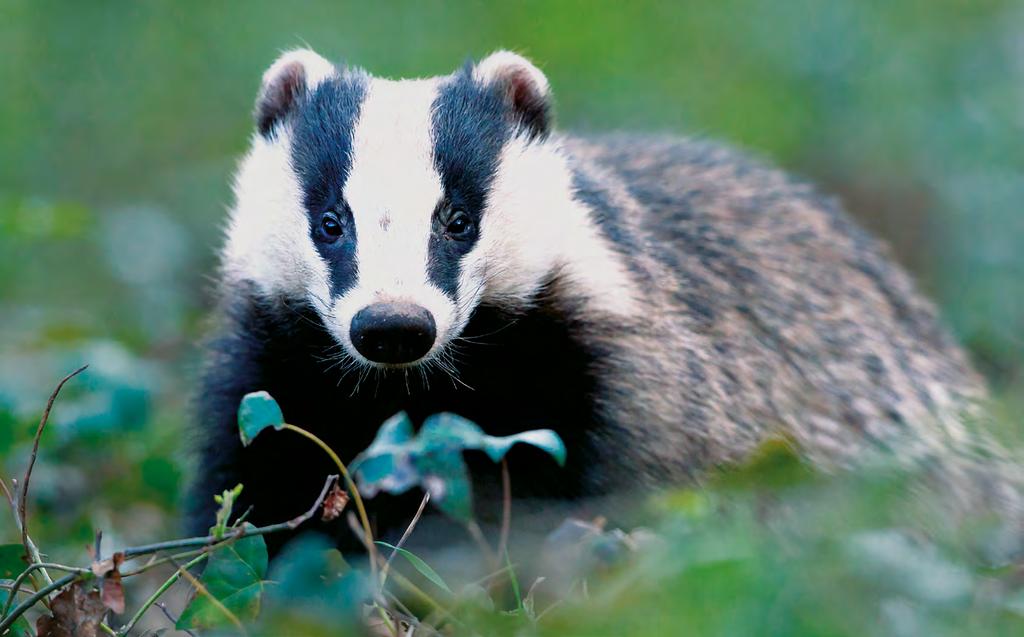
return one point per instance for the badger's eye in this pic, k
(460, 226)
(330, 227)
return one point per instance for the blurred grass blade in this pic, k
(419, 565)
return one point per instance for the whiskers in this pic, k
(445, 360)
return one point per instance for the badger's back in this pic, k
(769, 311)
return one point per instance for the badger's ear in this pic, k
(523, 86)
(293, 74)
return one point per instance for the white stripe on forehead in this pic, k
(393, 186)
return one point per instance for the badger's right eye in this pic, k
(330, 227)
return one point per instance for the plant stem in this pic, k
(364, 520)
(213, 542)
(401, 541)
(156, 595)
(506, 507)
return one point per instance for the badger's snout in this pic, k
(393, 333)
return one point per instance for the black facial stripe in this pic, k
(322, 156)
(470, 127)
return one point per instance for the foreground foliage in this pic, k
(769, 548)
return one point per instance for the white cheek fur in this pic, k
(533, 227)
(268, 239)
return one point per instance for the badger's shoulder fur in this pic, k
(664, 304)
(767, 310)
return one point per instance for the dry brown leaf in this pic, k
(112, 592)
(76, 612)
(334, 503)
(112, 563)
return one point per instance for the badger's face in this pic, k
(395, 207)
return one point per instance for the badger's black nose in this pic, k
(393, 333)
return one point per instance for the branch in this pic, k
(212, 541)
(30, 548)
(18, 581)
(163, 607)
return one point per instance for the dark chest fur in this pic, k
(513, 373)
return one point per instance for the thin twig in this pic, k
(18, 581)
(331, 479)
(17, 523)
(401, 541)
(506, 507)
(196, 542)
(167, 613)
(23, 496)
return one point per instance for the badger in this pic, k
(664, 304)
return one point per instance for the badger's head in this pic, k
(395, 208)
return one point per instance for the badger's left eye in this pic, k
(460, 226)
(330, 227)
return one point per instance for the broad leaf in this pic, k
(443, 474)
(452, 430)
(234, 576)
(421, 566)
(12, 560)
(497, 446)
(12, 564)
(396, 461)
(258, 411)
(386, 465)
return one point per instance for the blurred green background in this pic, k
(120, 124)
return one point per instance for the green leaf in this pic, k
(257, 411)
(451, 430)
(386, 464)
(234, 576)
(545, 439)
(396, 461)
(443, 474)
(419, 565)
(396, 430)
(12, 560)
(12, 564)
(20, 627)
